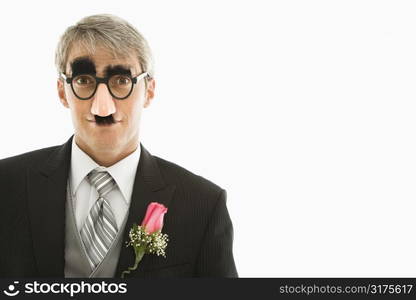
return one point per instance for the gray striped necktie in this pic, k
(100, 227)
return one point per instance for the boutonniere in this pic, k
(148, 238)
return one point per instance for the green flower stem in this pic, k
(139, 252)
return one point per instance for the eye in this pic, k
(121, 80)
(83, 80)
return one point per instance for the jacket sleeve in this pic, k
(216, 253)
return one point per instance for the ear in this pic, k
(61, 92)
(150, 92)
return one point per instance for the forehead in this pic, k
(102, 59)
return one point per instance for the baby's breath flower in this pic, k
(158, 244)
(154, 243)
(143, 242)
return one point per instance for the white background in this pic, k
(304, 111)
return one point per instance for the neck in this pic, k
(107, 156)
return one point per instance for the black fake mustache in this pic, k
(107, 120)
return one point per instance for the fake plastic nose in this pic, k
(102, 103)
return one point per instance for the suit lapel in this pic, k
(148, 187)
(46, 186)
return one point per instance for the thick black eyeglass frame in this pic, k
(105, 80)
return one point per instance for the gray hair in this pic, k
(109, 31)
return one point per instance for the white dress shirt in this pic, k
(84, 194)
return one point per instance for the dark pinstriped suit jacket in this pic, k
(32, 218)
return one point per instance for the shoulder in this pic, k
(23, 161)
(14, 170)
(186, 180)
(196, 199)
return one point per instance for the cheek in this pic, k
(132, 111)
(78, 108)
(135, 106)
(68, 92)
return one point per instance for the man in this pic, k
(66, 211)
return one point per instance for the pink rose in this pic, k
(153, 221)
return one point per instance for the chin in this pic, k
(109, 143)
(103, 140)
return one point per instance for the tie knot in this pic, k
(102, 181)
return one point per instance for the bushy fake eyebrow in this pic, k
(117, 69)
(83, 65)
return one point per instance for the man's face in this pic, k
(102, 123)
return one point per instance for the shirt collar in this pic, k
(123, 172)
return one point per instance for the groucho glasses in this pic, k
(120, 86)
